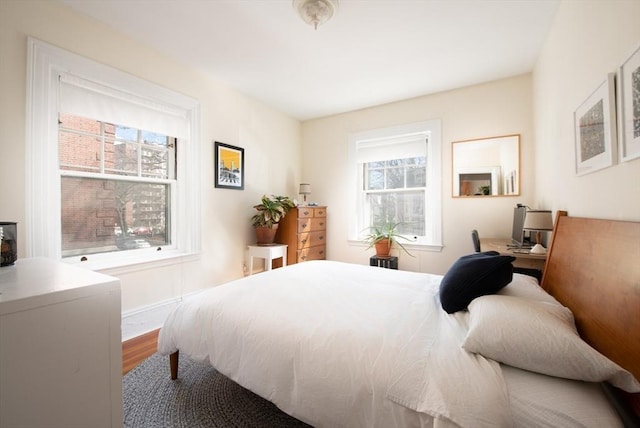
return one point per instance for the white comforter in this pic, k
(341, 345)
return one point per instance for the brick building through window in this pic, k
(114, 186)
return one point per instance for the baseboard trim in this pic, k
(143, 320)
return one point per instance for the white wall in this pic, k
(487, 110)
(588, 40)
(271, 141)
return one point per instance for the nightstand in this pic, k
(268, 253)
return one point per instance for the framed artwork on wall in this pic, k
(229, 166)
(628, 85)
(595, 129)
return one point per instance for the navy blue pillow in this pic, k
(473, 276)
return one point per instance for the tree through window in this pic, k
(115, 186)
(397, 179)
(395, 192)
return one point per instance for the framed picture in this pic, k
(595, 129)
(229, 166)
(629, 107)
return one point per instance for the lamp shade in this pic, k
(538, 220)
(305, 189)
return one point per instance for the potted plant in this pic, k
(485, 190)
(271, 210)
(383, 237)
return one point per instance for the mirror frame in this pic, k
(500, 183)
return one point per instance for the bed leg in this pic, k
(173, 364)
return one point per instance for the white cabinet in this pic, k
(60, 346)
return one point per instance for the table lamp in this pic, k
(538, 221)
(305, 189)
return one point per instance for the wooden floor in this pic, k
(136, 350)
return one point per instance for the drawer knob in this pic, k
(304, 241)
(306, 212)
(303, 257)
(304, 225)
(321, 237)
(321, 252)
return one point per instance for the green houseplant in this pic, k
(383, 237)
(271, 210)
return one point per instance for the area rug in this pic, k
(200, 397)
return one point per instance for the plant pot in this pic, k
(266, 235)
(383, 248)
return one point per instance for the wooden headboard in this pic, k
(593, 268)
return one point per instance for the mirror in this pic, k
(486, 167)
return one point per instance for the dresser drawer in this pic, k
(319, 212)
(308, 212)
(314, 253)
(311, 239)
(312, 224)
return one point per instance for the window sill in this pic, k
(432, 248)
(134, 261)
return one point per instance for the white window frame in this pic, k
(45, 63)
(433, 202)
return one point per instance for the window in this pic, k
(396, 178)
(113, 164)
(395, 191)
(115, 186)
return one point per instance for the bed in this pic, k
(335, 344)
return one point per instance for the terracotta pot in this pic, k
(383, 248)
(266, 235)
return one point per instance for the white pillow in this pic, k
(540, 337)
(538, 400)
(527, 287)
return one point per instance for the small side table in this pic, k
(268, 253)
(384, 262)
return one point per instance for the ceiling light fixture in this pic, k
(315, 12)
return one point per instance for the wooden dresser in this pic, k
(304, 230)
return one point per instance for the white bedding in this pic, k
(342, 345)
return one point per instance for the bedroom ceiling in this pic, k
(372, 51)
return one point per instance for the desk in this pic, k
(268, 253)
(523, 260)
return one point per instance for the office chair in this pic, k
(476, 240)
